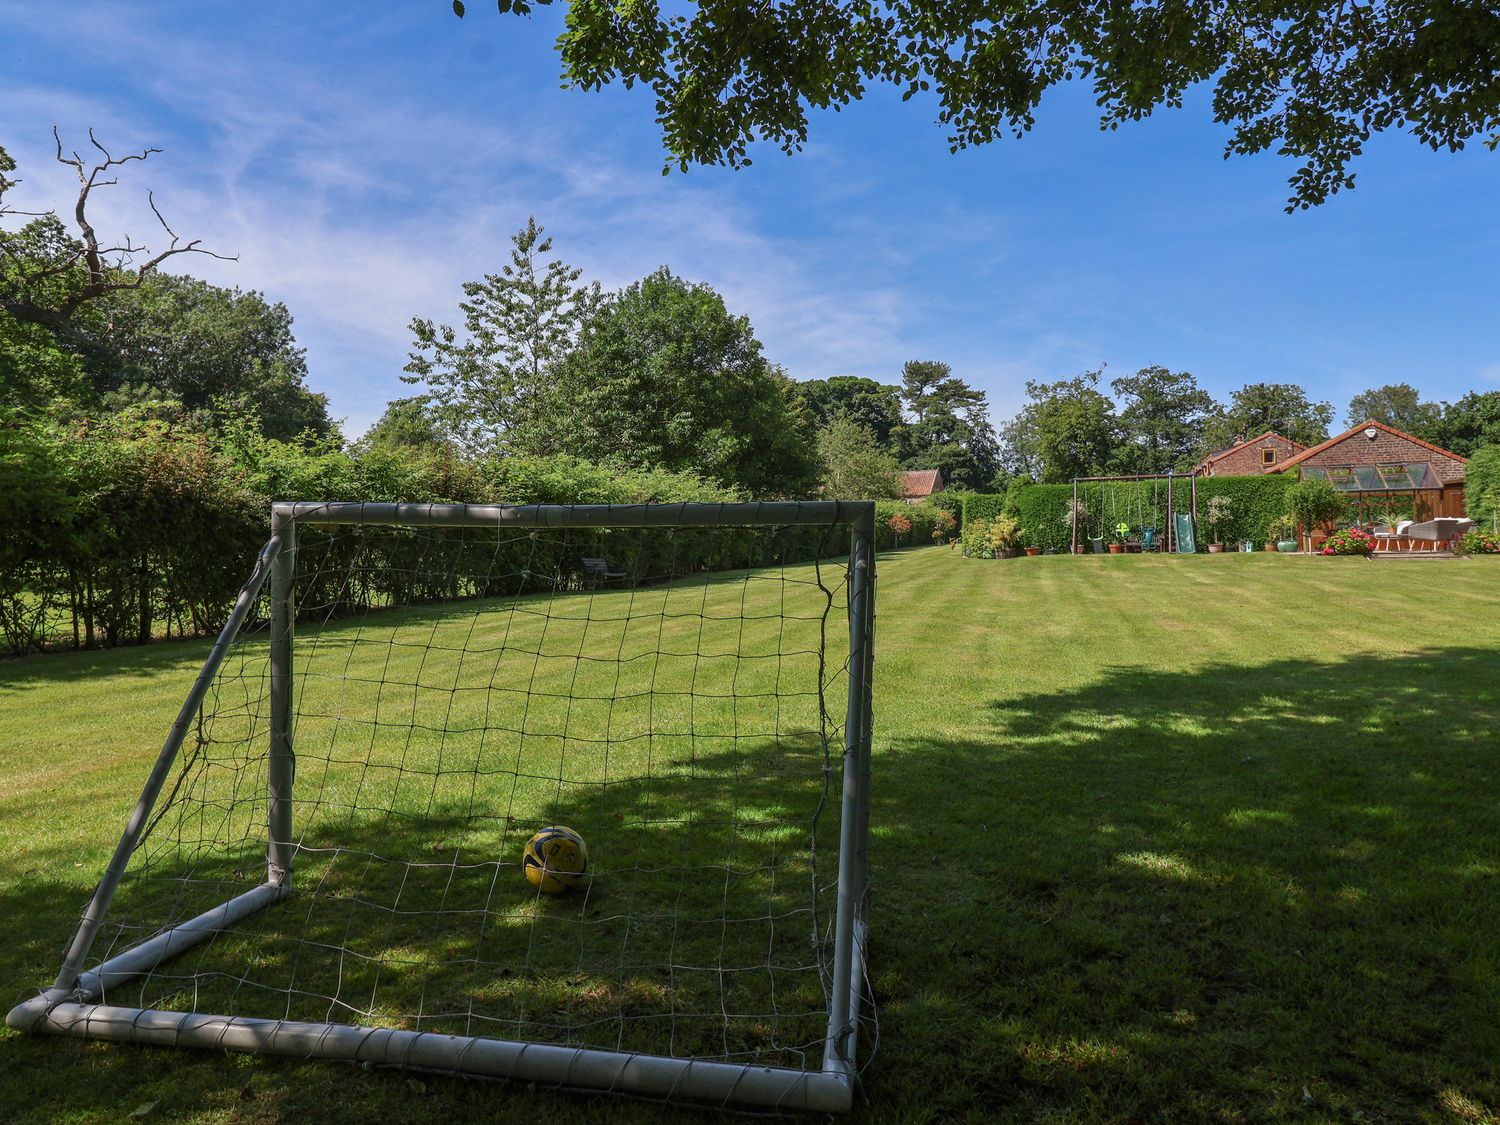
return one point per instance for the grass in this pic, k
(1154, 838)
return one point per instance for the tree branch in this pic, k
(106, 268)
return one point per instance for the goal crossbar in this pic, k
(72, 1007)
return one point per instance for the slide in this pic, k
(1187, 544)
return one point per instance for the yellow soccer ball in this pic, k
(554, 860)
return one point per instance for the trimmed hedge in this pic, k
(1482, 487)
(122, 530)
(1255, 504)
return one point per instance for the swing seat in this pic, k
(1148, 538)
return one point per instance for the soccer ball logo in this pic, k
(554, 860)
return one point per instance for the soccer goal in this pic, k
(326, 860)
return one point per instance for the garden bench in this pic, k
(597, 571)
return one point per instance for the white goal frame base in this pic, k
(76, 1014)
(72, 1008)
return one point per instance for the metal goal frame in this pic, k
(71, 1006)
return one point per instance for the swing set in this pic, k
(1176, 534)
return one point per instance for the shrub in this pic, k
(944, 524)
(1313, 502)
(1004, 534)
(899, 524)
(1482, 487)
(974, 539)
(1349, 541)
(919, 521)
(1477, 542)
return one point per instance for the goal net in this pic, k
(327, 857)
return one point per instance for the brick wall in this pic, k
(1387, 448)
(1246, 461)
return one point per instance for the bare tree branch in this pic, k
(107, 268)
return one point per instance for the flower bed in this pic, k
(1348, 541)
(1478, 542)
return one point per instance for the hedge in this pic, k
(124, 530)
(1255, 505)
(1482, 487)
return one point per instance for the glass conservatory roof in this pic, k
(1376, 478)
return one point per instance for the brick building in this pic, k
(919, 484)
(1267, 453)
(1374, 460)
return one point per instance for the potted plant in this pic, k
(1004, 537)
(1033, 552)
(1121, 537)
(1218, 512)
(1312, 503)
(1284, 528)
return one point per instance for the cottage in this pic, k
(919, 484)
(1266, 453)
(1388, 476)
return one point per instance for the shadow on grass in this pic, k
(1232, 894)
(1195, 894)
(698, 932)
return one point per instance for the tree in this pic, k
(1470, 423)
(1396, 404)
(854, 466)
(949, 428)
(874, 406)
(664, 376)
(518, 325)
(408, 423)
(37, 374)
(1313, 502)
(219, 352)
(1067, 430)
(47, 274)
(1161, 424)
(1258, 407)
(1313, 82)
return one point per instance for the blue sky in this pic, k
(365, 160)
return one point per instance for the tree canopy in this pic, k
(664, 376)
(519, 324)
(1258, 407)
(1395, 404)
(1068, 429)
(1161, 425)
(872, 405)
(1469, 424)
(853, 463)
(1313, 82)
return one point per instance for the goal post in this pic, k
(402, 694)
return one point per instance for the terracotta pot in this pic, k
(1033, 552)
(1271, 547)
(1216, 548)
(1117, 548)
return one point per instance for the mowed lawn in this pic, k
(1213, 838)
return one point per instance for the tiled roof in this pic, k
(920, 482)
(1212, 457)
(1365, 425)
